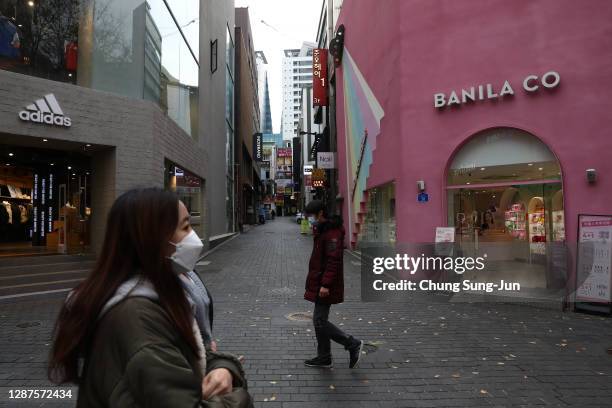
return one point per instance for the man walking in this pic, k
(325, 286)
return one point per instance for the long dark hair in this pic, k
(139, 226)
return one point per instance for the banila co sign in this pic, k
(45, 111)
(530, 84)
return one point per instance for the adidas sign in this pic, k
(45, 110)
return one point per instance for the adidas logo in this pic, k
(45, 110)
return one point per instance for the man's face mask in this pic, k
(187, 253)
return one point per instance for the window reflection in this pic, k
(40, 39)
(128, 47)
(139, 52)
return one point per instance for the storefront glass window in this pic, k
(379, 224)
(187, 186)
(137, 50)
(40, 38)
(505, 198)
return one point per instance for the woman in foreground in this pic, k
(128, 335)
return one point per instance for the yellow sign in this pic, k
(318, 175)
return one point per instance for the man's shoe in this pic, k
(355, 354)
(320, 362)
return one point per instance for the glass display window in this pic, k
(379, 224)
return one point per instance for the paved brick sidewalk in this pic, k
(432, 353)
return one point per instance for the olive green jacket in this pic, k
(137, 359)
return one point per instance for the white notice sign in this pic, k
(445, 234)
(325, 160)
(594, 258)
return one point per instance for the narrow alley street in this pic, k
(430, 353)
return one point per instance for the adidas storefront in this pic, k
(67, 152)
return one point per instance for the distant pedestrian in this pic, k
(325, 286)
(133, 332)
(262, 215)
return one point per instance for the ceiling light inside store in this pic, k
(482, 168)
(540, 168)
(52, 164)
(31, 3)
(11, 154)
(74, 174)
(467, 182)
(88, 145)
(69, 167)
(45, 140)
(530, 164)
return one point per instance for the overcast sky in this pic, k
(293, 22)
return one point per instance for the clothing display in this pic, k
(71, 55)
(9, 39)
(15, 213)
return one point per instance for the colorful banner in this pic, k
(319, 77)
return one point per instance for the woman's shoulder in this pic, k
(136, 322)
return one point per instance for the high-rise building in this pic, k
(264, 93)
(297, 74)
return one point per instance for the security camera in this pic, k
(591, 175)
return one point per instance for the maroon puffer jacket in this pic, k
(326, 263)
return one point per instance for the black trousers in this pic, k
(326, 331)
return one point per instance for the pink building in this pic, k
(499, 107)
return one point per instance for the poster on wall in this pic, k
(445, 238)
(594, 259)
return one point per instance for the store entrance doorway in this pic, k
(505, 198)
(45, 201)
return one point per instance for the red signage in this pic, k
(284, 152)
(319, 77)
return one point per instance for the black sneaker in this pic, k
(355, 354)
(320, 362)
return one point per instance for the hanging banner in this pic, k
(319, 77)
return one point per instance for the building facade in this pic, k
(108, 110)
(217, 89)
(248, 173)
(501, 137)
(297, 73)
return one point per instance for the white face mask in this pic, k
(187, 253)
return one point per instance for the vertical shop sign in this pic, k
(258, 147)
(594, 259)
(319, 77)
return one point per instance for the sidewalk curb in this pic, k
(210, 251)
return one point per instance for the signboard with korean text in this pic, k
(284, 152)
(594, 259)
(319, 77)
(326, 160)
